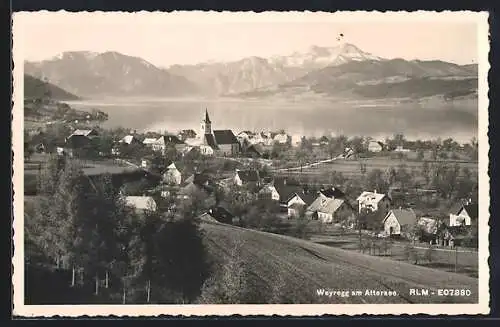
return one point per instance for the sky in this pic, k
(189, 38)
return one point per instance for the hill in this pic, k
(301, 267)
(377, 79)
(36, 88)
(109, 74)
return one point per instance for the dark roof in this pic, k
(333, 193)
(207, 119)
(225, 136)
(221, 214)
(256, 148)
(210, 141)
(472, 210)
(248, 175)
(171, 139)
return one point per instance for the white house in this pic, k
(172, 175)
(141, 203)
(281, 138)
(400, 148)
(148, 142)
(166, 141)
(269, 192)
(329, 210)
(463, 214)
(129, 139)
(396, 219)
(375, 146)
(296, 140)
(374, 201)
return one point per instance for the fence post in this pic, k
(96, 284)
(107, 280)
(73, 277)
(149, 290)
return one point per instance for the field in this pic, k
(442, 259)
(302, 267)
(351, 168)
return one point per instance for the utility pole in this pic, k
(149, 290)
(73, 277)
(96, 284)
(456, 257)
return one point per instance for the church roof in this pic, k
(225, 136)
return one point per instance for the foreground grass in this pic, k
(298, 268)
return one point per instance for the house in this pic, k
(243, 177)
(332, 192)
(168, 141)
(255, 150)
(269, 192)
(218, 214)
(186, 134)
(149, 141)
(400, 148)
(129, 139)
(172, 176)
(245, 136)
(375, 146)
(298, 202)
(280, 138)
(141, 203)
(374, 201)
(396, 220)
(81, 138)
(463, 214)
(329, 210)
(223, 142)
(324, 141)
(296, 140)
(195, 183)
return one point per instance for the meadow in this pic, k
(297, 268)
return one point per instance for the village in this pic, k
(248, 168)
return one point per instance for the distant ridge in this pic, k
(36, 88)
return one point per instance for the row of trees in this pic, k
(85, 226)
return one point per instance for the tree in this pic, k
(420, 155)
(375, 181)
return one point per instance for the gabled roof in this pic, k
(333, 192)
(141, 202)
(248, 175)
(149, 140)
(210, 141)
(83, 132)
(331, 205)
(371, 196)
(404, 216)
(307, 197)
(225, 136)
(172, 166)
(472, 210)
(128, 139)
(169, 139)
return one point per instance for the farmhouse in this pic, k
(81, 138)
(375, 146)
(269, 192)
(463, 214)
(168, 141)
(218, 214)
(281, 138)
(243, 177)
(397, 219)
(223, 142)
(141, 204)
(172, 176)
(329, 210)
(298, 202)
(149, 141)
(130, 139)
(374, 201)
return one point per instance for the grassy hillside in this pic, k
(36, 88)
(298, 268)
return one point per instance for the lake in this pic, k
(304, 117)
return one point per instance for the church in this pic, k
(223, 141)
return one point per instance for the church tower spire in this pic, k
(207, 124)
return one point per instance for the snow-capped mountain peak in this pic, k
(319, 57)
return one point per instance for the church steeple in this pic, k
(206, 125)
(207, 119)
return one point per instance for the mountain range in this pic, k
(340, 71)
